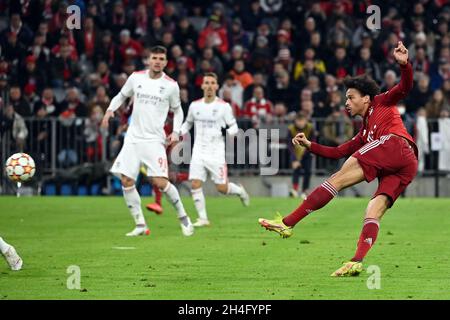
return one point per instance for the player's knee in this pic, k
(127, 182)
(160, 183)
(196, 184)
(222, 188)
(337, 180)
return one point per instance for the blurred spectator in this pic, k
(258, 80)
(299, 69)
(72, 105)
(421, 64)
(300, 156)
(40, 51)
(47, 105)
(13, 50)
(283, 91)
(318, 95)
(107, 51)
(280, 114)
(420, 42)
(339, 34)
(93, 134)
(240, 74)
(87, 39)
(436, 104)
(366, 65)
(214, 35)
(100, 99)
(440, 73)
(252, 15)
(4, 88)
(64, 42)
(64, 71)
(129, 48)
(117, 19)
(13, 122)
(185, 31)
(237, 35)
(141, 23)
(31, 76)
(339, 66)
(258, 108)
(22, 32)
(261, 56)
(444, 131)
(390, 80)
(337, 129)
(216, 64)
(419, 95)
(236, 90)
(18, 103)
(307, 108)
(421, 137)
(227, 97)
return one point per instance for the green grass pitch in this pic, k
(233, 259)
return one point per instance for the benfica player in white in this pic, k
(11, 256)
(210, 116)
(154, 95)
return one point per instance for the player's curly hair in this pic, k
(364, 84)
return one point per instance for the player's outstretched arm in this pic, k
(341, 151)
(400, 90)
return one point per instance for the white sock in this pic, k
(174, 198)
(133, 201)
(199, 202)
(3, 245)
(234, 189)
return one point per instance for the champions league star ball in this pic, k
(20, 167)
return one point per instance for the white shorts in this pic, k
(199, 168)
(133, 155)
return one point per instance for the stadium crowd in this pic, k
(274, 60)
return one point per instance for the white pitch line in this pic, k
(124, 248)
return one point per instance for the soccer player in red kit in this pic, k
(382, 149)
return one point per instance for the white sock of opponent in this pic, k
(199, 202)
(3, 245)
(133, 201)
(174, 198)
(234, 189)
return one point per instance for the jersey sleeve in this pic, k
(189, 122)
(230, 120)
(127, 89)
(174, 99)
(344, 150)
(401, 89)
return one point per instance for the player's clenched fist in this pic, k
(300, 139)
(401, 53)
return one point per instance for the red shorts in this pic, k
(391, 159)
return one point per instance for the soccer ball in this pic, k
(20, 167)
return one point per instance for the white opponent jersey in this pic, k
(208, 120)
(152, 101)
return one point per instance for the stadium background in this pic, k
(274, 59)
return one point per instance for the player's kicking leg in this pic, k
(12, 258)
(231, 188)
(174, 197)
(351, 173)
(219, 174)
(133, 201)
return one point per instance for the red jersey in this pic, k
(382, 118)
